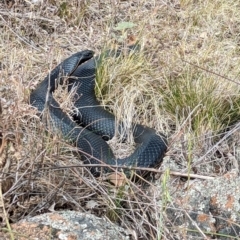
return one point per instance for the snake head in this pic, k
(84, 56)
(71, 63)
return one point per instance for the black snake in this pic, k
(97, 124)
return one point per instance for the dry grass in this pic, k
(178, 83)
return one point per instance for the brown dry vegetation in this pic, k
(184, 82)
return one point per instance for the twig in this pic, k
(237, 127)
(20, 37)
(196, 226)
(0, 107)
(26, 15)
(132, 168)
(212, 72)
(191, 175)
(5, 214)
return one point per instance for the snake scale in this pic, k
(97, 124)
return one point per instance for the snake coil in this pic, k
(97, 124)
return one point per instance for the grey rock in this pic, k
(67, 225)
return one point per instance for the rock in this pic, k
(66, 225)
(208, 209)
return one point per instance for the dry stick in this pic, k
(184, 123)
(5, 214)
(21, 38)
(21, 176)
(26, 15)
(2, 145)
(0, 107)
(48, 197)
(132, 168)
(220, 141)
(191, 175)
(214, 73)
(196, 226)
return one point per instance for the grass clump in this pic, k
(124, 86)
(74, 12)
(208, 105)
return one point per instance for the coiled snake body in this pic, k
(98, 124)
